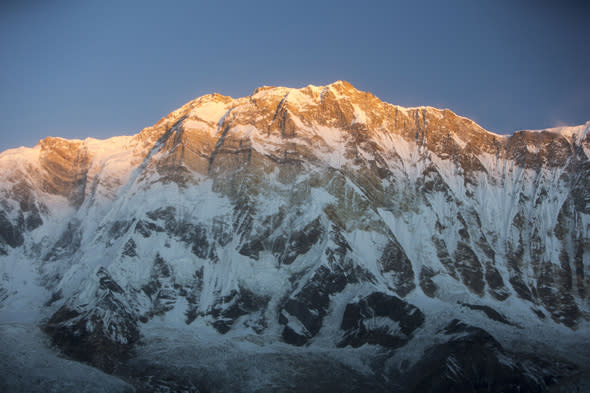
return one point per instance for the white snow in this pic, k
(299, 99)
(359, 115)
(459, 141)
(575, 133)
(335, 140)
(209, 112)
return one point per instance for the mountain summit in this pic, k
(314, 229)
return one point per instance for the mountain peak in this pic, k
(318, 216)
(334, 124)
(341, 89)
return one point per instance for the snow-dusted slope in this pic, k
(317, 217)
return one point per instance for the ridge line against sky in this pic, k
(79, 69)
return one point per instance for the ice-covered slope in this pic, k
(319, 217)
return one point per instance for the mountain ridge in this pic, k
(319, 218)
(579, 131)
(154, 132)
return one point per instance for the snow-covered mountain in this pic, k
(319, 230)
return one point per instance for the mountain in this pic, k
(312, 239)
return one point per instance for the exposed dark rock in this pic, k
(11, 233)
(68, 243)
(426, 284)
(337, 255)
(260, 241)
(55, 296)
(196, 235)
(361, 323)
(490, 312)
(522, 290)
(101, 333)
(566, 279)
(310, 305)
(474, 362)
(495, 282)
(290, 336)
(244, 212)
(3, 295)
(145, 228)
(106, 282)
(166, 214)
(563, 219)
(579, 267)
(221, 232)
(238, 303)
(119, 228)
(514, 257)
(581, 189)
(442, 252)
(553, 289)
(397, 268)
(493, 278)
(539, 313)
(483, 244)
(518, 221)
(252, 249)
(299, 242)
(463, 230)
(278, 245)
(130, 248)
(433, 181)
(22, 192)
(456, 327)
(199, 240)
(561, 306)
(193, 294)
(160, 288)
(33, 220)
(469, 267)
(309, 309)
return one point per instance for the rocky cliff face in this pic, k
(320, 218)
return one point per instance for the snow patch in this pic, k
(209, 112)
(359, 115)
(577, 134)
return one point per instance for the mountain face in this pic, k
(343, 243)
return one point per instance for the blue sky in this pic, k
(88, 68)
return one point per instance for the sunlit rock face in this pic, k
(316, 224)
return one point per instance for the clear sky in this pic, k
(103, 68)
